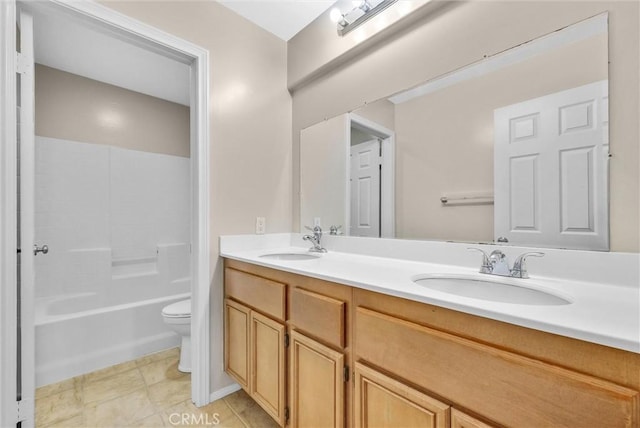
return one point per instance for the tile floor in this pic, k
(148, 392)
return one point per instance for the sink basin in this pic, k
(289, 256)
(495, 289)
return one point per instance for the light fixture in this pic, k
(363, 11)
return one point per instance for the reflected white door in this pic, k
(365, 189)
(551, 158)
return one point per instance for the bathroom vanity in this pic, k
(347, 352)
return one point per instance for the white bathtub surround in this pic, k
(117, 223)
(604, 288)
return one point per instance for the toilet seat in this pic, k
(180, 309)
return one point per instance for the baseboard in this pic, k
(223, 392)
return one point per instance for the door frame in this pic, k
(120, 26)
(387, 178)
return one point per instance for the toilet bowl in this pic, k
(177, 316)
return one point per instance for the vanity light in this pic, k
(363, 11)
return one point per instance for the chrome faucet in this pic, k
(497, 263)
(315, 240)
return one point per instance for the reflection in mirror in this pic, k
(512, 149)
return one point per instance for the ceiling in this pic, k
(284, 18)
(70, 45)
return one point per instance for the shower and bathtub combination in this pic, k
(117, 225)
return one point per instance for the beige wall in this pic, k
(464, 33)
(323, 156)
(444, 140)
(250, 127)
(382, 112)
(329, 49)
(75, 108)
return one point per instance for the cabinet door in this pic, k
(381, 401)
(462, 420)
(236, 340)
(317, 384)
(268, 366)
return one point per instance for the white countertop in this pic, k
(607, 314)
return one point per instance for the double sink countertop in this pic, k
(603, 313)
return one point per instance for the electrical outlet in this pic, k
(261, 225)
(316, 221)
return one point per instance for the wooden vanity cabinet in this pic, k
(412, 364)
(255, 339)
(286, 333)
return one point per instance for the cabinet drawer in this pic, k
(480, 377)
(260, 293)
(318, 315)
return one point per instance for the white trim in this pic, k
(223, 392)
(347, 182)
(8, 216)
(387, 180)
(153, 38)
(576, 32)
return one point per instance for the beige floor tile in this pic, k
(169, 392)
(254, 416)
(162, 355)
(239, 400)
(121, 411)
(250, 413)
(151, 421)
(56, 388)
(234, 422)
(58, 407)
(76, 421)
(160, 370)
(211, 414)
(109, 371)
(113, 386)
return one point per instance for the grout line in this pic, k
(233, 410)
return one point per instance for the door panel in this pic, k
(317, 386)
(268, 365)
(384, 402)
(236, 356)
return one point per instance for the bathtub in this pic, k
(80, 332)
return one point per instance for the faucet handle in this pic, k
(486, 264)
(520, 266)
(335, 230)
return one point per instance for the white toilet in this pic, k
(178, 317)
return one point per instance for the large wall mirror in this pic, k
(512, 149)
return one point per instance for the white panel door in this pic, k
(365, 189)
(551, 168)
(26, 209)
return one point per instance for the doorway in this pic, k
(371, 178)
(13, 332)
